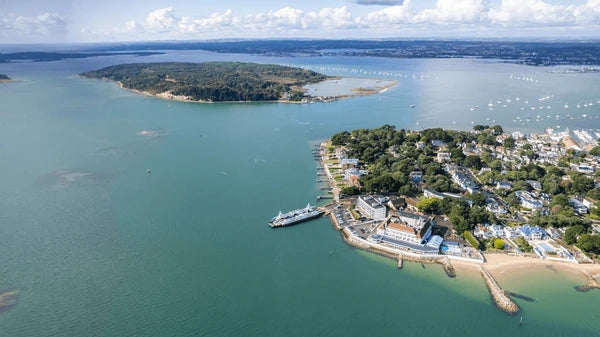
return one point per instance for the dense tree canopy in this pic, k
(211, 81)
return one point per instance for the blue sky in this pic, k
(33, 21)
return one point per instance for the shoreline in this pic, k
(8, 81)
(490, 267)
(356, 92)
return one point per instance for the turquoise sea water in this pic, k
(97, 247)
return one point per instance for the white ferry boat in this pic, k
(295, 216)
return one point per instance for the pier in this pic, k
(499, 296)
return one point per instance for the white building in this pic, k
(371, 207)
(497, 231)
(510, 233)
(528, 201)
(435, 242)
(505, 185)
(403, 232)
(585, 169)
(443, 156)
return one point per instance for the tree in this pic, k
(521, 186)
(595, 151)
(479, 127)
(473, 162)
(341, 138)
(498, 244)
(509, 143)
(457, 155)
(572, 233)
(478, 198)
(351, 190)
(429, 205)
(459, 223)
(560, 199)
(497, 129)
(589, 243)
(523, 244)
(512, 200)
(556, 209)
(582, 184)
(496, 165)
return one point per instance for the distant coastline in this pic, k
(5, 79)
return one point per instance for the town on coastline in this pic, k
(447, 196)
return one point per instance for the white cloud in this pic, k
(532, 12)
(28, 26)
(215, 21)
(161, 20)
(447, 16)
(454, 11)
(379, 2)
(401, 14)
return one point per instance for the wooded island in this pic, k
(212, 81)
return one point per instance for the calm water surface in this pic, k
(97, 247)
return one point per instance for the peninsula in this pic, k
(224, 81)
(5, 79)
(484, 199)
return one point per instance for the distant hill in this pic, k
(4, 77)
(212, 81)
(56, 56)
(530, 53)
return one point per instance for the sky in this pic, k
(70, 21)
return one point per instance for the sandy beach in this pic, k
(354, 92)
(499, 264)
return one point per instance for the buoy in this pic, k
(148, 171)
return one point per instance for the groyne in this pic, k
(592, 284)
(499, 296)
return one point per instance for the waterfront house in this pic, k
(497, 230)
(482, 232)
(371, 207)
(511, 233)
(532, 232)
(346, 163)
(553, 233)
